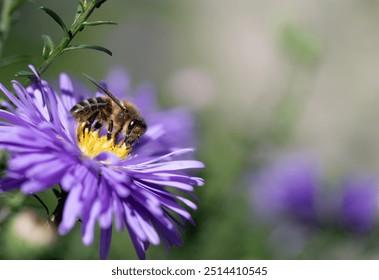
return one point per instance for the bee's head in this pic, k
(134, 130)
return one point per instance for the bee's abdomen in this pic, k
(84, 109)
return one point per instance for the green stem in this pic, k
(76, 27)
(5, 22)
(57, 215)
(42, 203)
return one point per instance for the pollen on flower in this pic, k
(92, 145)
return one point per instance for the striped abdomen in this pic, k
(85, 109)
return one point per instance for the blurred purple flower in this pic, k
(359, 205)
(135, 192)
(286, 189)
(290, 189)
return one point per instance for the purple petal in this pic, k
(176, 185)
(173, 206)
(105, 242)
(118, 212)
(11, 117)
(11, 97)
(67, 90)
(148, 199)
(173, 165)
(105, 218)
(132, 221)
(34, 70)
(29, 159)
(7, 105)
(138, 244)
(89, 225)
(187, 202)
(71, 211)
(30, 187)
(55, 168)
(151, 233)
(164, 157)
(70, 179)
(359, 204)
(9, 183)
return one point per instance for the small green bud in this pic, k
(48, 46)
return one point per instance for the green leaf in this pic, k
(57, 19)
(57, 193)
(79, 9)
(99, 3)
(4, 156)
(97, 48)
(48, 46)
(81, 3)
(25, 74)
(101, 22)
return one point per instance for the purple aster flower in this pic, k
(359, 205)
(286, 189)
(103, 181)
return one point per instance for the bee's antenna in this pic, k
(107, 92)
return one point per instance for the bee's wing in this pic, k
(107, 92)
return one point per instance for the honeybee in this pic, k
(120, 116)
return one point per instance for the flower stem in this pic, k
(76, 27)
(56, 217)
(42, 203)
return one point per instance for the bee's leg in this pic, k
(110, 128)
(97, 125)
(90, 121)
(130, 138)
(127, 140)
(117, 133)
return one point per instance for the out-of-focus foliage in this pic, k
(264, 78)
(304, 47)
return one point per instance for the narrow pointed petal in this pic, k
(105, 242)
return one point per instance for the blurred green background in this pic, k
(262, 77)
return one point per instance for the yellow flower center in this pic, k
(92, 145)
